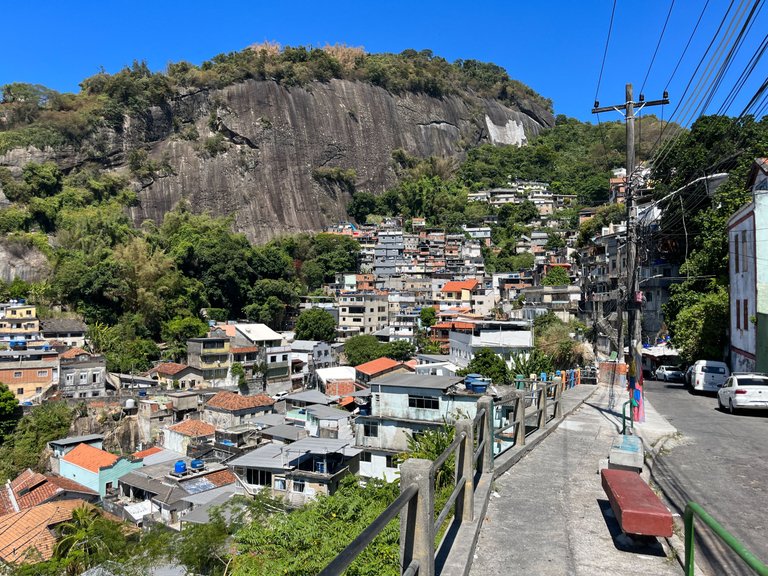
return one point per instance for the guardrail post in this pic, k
(541, 405)
(488, 432)
(558, 407)
(465, 502)
(689, 542)
(417, 520)
(520, 419)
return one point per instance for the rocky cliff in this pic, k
(284, 160)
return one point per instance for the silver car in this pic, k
(744, 391)
(669, 374)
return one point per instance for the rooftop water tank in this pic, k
(197, 464)
(180, 467)
(130, 404)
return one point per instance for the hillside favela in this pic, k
(451, 304)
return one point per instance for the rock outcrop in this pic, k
(265, 153)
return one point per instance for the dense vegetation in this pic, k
(137, 287)
(697, 313)
(35, 115)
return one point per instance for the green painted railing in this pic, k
(692, 509)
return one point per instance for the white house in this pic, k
(748, 247)
(403, 405)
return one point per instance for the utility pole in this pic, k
(633, 301)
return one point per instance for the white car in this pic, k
(744, 391)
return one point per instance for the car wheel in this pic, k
(731, 409)
(720, 404)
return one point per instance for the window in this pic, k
(38, 390)
(391, 463)
(371, 429)
(426, 402)
(738, 316)
(83, 378)
(20, 391)
(285, 357)
(649, 296)
(365, 456)
(736, 252)
(279, 483)
(299, 486)
(746, 314)
(744, 250)
(258, 477)
(17, 374)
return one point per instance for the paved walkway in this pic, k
(549, 514)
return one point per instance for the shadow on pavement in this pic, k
(645, 545)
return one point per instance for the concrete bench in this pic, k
(638, 510)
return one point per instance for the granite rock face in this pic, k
(265, 154)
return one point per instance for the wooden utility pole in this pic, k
(633, 300)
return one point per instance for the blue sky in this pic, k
(555, 47)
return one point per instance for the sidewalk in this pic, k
(549, 514)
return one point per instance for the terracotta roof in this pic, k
(232, 402)
(453, 326)
(411, 364)
(90, 458)
(169, 368)
(73, 353)
(193, 428)
(26, 535)
(221, 477)
(69, 485)
(245, 349)
(229, 329)
(147, 452)
(456, 286)
(376, 366)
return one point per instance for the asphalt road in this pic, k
(720, 461)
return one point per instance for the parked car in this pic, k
(688, 375)
(708, 375)
(744, 391)
(669, 374)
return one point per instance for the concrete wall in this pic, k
(742, 271)
(100, 481)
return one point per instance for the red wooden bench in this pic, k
(638, 510)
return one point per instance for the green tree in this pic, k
(557, 276)
(362, 349)
(176, 332)
(23, 448)
(9, 412)
(202, 548)
(401, 350)
(490, 365)
(81, 544)
(428, 316)
(316, 324)
(700, 329)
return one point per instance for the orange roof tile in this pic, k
(453, 326)
(232, 402)
(169, 368)
(229, 329)
(245, 349)
(89, 458)
(73, 353)
(221, 477)
(69, 485)
(376, 366)
(193, 428)
(456, 286)
(147, 452)
(26, 536)
(411, 364)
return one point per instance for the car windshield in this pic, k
(752, 381)
(713, 369)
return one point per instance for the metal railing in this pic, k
(692, 509)
(416, 503)
(476, 443)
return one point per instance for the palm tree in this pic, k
(79, 540)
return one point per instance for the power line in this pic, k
(656, 51)
(690, 38)
(605, 51)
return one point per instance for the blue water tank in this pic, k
(481, 386)
(180, 467)
(197, 464)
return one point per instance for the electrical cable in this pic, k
(605, 51)
(656, 51)
(690, 38)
